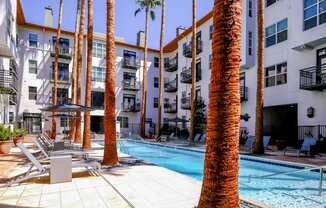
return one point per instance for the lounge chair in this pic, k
(266, 140)
(42, 147)
(249, 143)
(45, 169)
(58, 145)
(203, 138)
(197, 137)
(305, 147)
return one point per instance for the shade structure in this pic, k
(66, 108)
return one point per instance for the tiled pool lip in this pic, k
(242, 156)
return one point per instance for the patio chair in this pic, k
(266, 140)
(249, 143)
(203, 138)
(46, 153)
(304, 148)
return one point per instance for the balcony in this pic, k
(8, 81)
(186, 76)
(171, 65)
(170, 108)
(128, 107)
(171, 86)
(63, 77)
(243, 93)
(130, 63)
(187, 49)
(12, 99)
(313, 78)
(64, 52)
(186, 102)
(131, 85)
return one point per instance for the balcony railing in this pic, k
(171, 86)
(63, 77)
(130, 62)
(60, 100)
(127, 107)
(243, 93)
(65, 52)
(128, 84)
(13, 99)
(186, 75)
(171, 65)
(187, 50)
(313, 78)
(7, 82)
(170, 108)
(186, 102)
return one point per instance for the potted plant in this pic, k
(18, 136)
(5, 141)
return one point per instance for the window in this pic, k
(32, 65)
(32, 40)
(250, 43)
(156, 82)
(210, 32)
(62, 95)
(124, 123)
(64, 42)
(98, 74)
(32, 93)
(11, 117)
(63, 121)
(270, 2)
(99, 50)
(63, 72)
(250, 8)
(97, 100)
(276, 75)
(314, 13)
(210, 61)
(276, 33)
(155, 102)
(156, 62)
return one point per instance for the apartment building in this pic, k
(33, 81)
(8, 65)
(295, 56)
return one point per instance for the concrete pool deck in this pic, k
(138, 185)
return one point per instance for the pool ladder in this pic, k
(320, 168)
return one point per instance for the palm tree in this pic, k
(193, 73)
(74, 69)
(148, 6)
(55, 70)
(161, 83)
(220, 183)
(87, 116)
(110, 150)
(79, 69)
(259, 146)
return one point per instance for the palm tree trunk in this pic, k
(161, 88)
(87, 116)
(79, 69)
(220, 183)
(74, 69)
(259, 146)
(110, 150)
(193, 73)
(55, 71)
(144, 89)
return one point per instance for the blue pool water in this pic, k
(295, 190)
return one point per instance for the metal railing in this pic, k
(63, 76)
(318, 131)
(170, 108)
(8, 79)
(186, 75)
(128, 84)
(186, 103)
(313, 78)
(64, 51)
(320, 168)
(171, 86)
(172, 64)
(243, 93)
(127, 107)
(130, 62)
(187, 49)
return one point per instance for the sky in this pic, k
(178, 13)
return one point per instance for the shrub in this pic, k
(5, 133)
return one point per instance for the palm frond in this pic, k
(137, 11)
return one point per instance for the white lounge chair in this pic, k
(44, 169)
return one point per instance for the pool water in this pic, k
(295, 190)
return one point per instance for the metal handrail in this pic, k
(320, 168)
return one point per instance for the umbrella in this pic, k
(66, 108)
(64, 115)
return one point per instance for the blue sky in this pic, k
(178, 13)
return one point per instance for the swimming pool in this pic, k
(294, 190)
